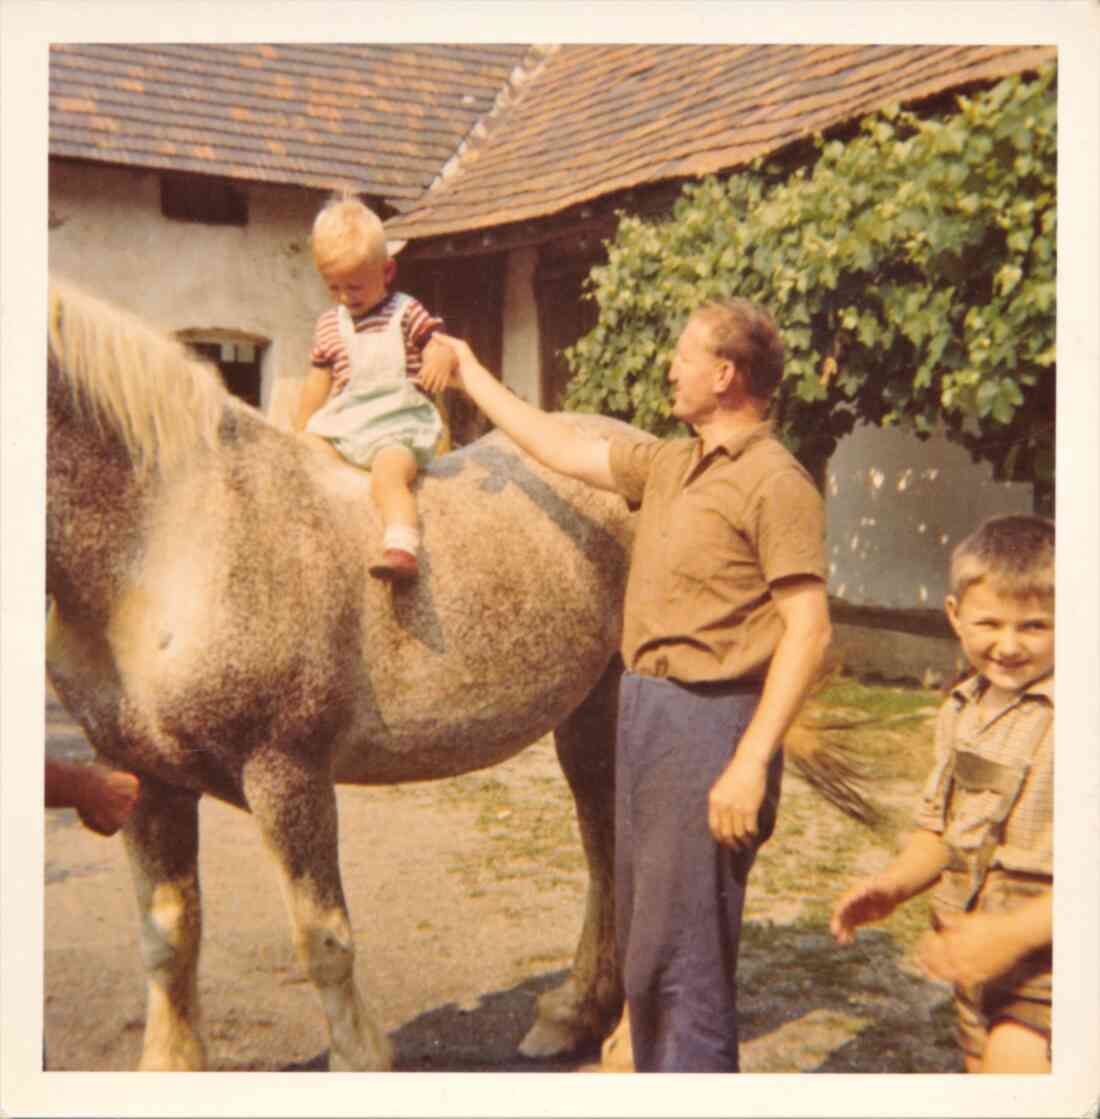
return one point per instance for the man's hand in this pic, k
(110, 798)
(104, 798)
(734, 803)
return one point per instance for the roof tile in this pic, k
(377, 118)
(595, 119)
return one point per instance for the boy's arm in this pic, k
(315, 390)
(917, 866)
(977, 947)
(554, 442)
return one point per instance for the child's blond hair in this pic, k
(1014, 554)
(346, 235)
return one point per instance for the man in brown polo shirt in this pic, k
(726, 627)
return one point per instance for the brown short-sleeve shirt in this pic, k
(714, 532)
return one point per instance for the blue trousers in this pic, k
(679, 894)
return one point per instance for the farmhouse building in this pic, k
(184, 178)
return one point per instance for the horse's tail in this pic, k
(827, 766)
(816, 747)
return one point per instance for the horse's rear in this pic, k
(215, 630)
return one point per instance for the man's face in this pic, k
(695, 374)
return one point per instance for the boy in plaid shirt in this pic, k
(984, 826)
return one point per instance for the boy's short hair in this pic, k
(346, 234)
(1015, 553)
(745, 333)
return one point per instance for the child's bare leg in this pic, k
(1014, 1048)
(392, 473)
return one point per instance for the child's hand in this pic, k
(439, 362)
(970, 947)
(462, 356)
(869, 901)
(107, 799)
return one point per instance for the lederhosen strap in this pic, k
(971, 772)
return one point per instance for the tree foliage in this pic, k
(911, 269)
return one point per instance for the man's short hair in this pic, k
(745, 333)
(1014, 554)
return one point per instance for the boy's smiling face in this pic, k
(1009, 640)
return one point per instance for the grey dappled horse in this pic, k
(214, 629)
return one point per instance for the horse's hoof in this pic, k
(549, 1039)
(378, 1057)
(181, 1058)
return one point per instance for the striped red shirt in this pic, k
(417, 326)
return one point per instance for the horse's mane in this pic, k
(146, 387)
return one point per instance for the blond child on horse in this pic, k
(984, 825)
(373, 365)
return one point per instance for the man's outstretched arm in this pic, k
(552, 440)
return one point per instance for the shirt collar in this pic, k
(736, 444)
(379, 306)
(973, 687)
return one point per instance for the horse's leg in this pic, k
(162, 842)
(584, 1008)
(296, 810)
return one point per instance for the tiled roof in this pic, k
(381, 119)
(595, 119)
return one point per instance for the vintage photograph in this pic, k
(545, 567)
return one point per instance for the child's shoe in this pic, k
(396, 565)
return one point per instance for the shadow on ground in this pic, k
(807, 1005)
(483, 1039)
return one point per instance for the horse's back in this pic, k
(514, 618)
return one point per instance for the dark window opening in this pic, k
(239, 364)
(201, 198)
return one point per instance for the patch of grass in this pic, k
(876, 700)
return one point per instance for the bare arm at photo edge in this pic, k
(736, 797)
(555, 442)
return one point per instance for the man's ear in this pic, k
(389, 272)
(725, 375)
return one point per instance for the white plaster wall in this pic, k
(109, 237)
(520, 356)
(895, 508)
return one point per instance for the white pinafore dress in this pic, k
(379, 406)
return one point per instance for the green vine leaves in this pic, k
(911, 268)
